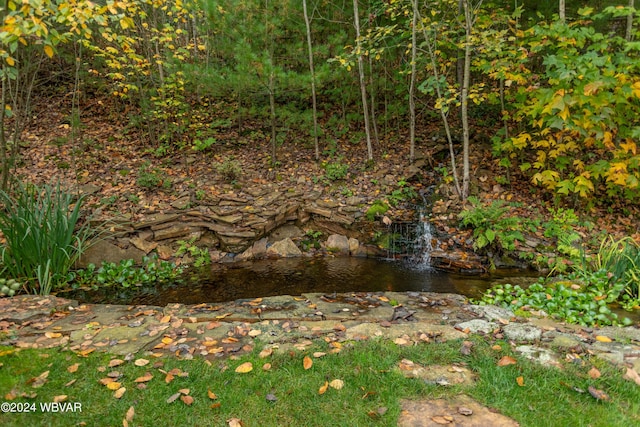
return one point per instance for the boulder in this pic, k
(284, 249)
(338, 243)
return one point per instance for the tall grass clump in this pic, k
(42, 242)
(621, 259)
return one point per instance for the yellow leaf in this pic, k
(603, 338)
(265, 353)
(10, 61)
(119, 392)
(115, 362)
(73, 368)
(48, 50)
(211, 395)
(141, 362)
(307, 363)
(244, 368)
(52, 334)
(60, 398)
(167, 340)
(145, 378)
(114, 385)
(520, 381)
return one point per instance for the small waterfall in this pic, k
(422, 242)
(412, 241)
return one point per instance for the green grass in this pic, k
(371, 381)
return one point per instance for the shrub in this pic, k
(230, 169)
(42, 243)
(378, 208)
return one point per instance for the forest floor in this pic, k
(127, 175)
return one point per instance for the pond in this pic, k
(222, 283)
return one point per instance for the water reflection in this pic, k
(293, 277)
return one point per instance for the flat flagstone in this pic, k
(413, 330)
(435, 413)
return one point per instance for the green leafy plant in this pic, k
(9, 287)
(148, 177)
(377, 208)
(203, 145)
(492, 225)
(621, 260)
(200, 255)
(43, 235)
(584, 304)
(403, 193)
(311, 240)
(126, 274)
(230, 169)
(335, 171)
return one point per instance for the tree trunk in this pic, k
(443, 114)
(412, 85)
(562, 10)
(313, 81)
(629, 32)
(363, 87)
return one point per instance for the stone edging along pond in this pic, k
(246, 228)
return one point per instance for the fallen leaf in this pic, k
(168, 378)
(603, 338)
(141, 362)
(598, 394)
(463, 410)
(244, 368)
(520, 381)
(130, 413)
(337, 384)
(165, 319)
(324, 388)
(215, 405)
(307, 362)
(39, 381)
(173, 397)
(234, 422)
(70, 383)
(594, 373)
(319, 354)
(443, 420)
(145, 378)
(73, 368)
(632, 375)
(265, 353)
(115, 362)
(187, 400)
(466, 348)
(254, 333)
(114, 385)
(52, 334)
(266, 367)
(507, 360)
(211, 395)
(119, 392)
(271, 397)
(167, 340)
(60, 398)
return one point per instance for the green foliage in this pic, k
(377, 208)
(230, 169)
(126, 274)
(9, 287)
(585, 305)
(561, 227)
(200, 256)
(151, 178)
(621, 260)
(311, 239)
(335, 171)
(492, 225)
(403, 193)
(203, 145)
(43, 236)
(578, 93)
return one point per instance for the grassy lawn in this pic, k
(289, 395)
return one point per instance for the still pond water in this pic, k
(298, 276)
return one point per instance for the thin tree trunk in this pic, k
(445, 120)
(4, 161)
(374, 124)
(412, 85)
(313, 81)
(272, 106)
(562, 10)
(469, 21)
(363, 87)
(629, 32)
